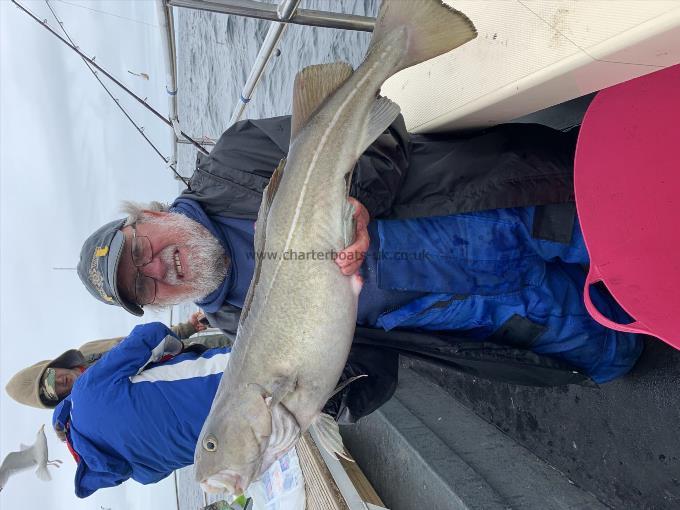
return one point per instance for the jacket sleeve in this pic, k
(88, 481)
(226, 318)
(183, 330)
(508, 165)
(230, 180)
(146, 344)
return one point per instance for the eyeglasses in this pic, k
(145, 287)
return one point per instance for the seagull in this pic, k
(26, 458)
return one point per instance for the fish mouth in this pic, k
(224, 481)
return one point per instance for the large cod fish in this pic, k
(299, 316)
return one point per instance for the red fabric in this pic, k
(74, 454)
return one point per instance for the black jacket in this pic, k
(403, 176)
(400, 175)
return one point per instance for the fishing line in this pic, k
(108, 13)
(108, 75)
(116, 101)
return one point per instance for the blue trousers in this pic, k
(476, 271)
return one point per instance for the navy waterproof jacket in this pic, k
(131, 416)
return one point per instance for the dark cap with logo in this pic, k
(98, 266)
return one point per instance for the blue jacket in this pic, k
(131, 416)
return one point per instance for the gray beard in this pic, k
(205, 256)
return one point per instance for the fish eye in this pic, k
(210, 443)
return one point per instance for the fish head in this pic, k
(233, 441)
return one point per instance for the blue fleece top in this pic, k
(236, 237)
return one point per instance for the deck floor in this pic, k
(618, 441)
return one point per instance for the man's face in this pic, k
(187, 263)
(64, 379)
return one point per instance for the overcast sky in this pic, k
(67, 159)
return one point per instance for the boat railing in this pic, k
(167, 28)
(280, 15)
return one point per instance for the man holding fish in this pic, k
(493, 266)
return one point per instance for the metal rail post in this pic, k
(253, 9)
(285, 10)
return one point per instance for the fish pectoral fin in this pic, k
(313, 85)
(328, 434)
(343, 385)
(281, 387)
(382, 114)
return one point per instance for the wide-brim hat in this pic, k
(98, 266)
(24, 386)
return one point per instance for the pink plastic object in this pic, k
(627, 180)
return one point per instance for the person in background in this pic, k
(138, 411)
(46, 383)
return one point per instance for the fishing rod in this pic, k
(137, 127)
(109, 76)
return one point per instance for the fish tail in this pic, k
(433, 28)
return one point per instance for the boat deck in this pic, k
(618, 441)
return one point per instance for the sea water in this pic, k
(215, 53)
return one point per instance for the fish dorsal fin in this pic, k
(260, 234)
(312, 86)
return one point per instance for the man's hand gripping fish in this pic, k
(299, 316)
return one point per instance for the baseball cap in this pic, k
(98, 266)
